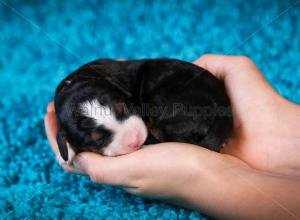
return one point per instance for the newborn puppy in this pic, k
(114, 107)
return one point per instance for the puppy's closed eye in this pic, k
(120, 107)
(97, 135)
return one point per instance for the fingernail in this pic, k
(50, 108)
(78, 162)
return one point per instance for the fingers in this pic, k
(130, 169)
(50, 107)
(70, 169)
(233, 69)
(222, 66)
(216, 64)
(236, 71)
(106, 170)
(242, 78)
(52, 127)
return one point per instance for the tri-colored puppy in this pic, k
(115, 107)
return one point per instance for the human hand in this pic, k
(266, 126)
(189, 175)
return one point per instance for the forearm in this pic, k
(239, 192)
(242, 193)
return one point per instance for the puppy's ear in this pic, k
(62, 145)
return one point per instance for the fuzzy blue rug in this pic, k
(42, 41)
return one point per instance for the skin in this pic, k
(257, 175)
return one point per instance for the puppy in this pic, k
(115, 107)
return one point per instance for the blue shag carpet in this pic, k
(42, 41)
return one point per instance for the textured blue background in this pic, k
(40, 42)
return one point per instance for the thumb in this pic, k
(102, 169)
(241, 76)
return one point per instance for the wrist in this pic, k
(211, 186)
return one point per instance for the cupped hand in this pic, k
(148, 171)
(265, 138)
(266, 133)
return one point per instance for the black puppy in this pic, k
(114, 107)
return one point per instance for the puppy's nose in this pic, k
(136, 143)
